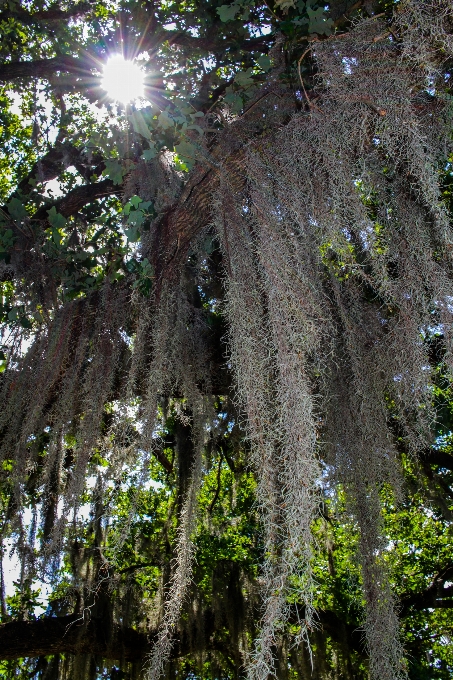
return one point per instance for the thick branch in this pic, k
(69, 634)
(45, 68)
(440, 458)
(48, 16)
(72, 635)
(57, 159)
(163, 460)
(213, 44)
(79, 197)
(435, 596)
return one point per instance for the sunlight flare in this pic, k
(123, 80)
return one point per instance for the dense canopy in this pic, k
(226, 339)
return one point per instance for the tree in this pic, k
(226, 340)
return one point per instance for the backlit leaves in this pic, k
(114, 170)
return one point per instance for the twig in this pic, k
(310, 104)
(216, 495)
(266, 94)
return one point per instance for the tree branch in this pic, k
(75, 635)
(46, 68)
(79, 197)
(162, 458)
(440, 458)
(57, 159)
(435, 596)
(69, 634)
(48, 16)
(180, 39)
(217, 491)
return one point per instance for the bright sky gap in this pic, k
(123, 80)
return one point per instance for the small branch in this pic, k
(217, 491)
(310, 104)
(345, 16)
(372, 105)
(134, 567)
(257, 101)
(163, 460)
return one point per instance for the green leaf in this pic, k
(208, 245)
(56, 220)
(132, 265)
(227, 12)
(25, 323)
(285, 5)
(135, 201)
(264, 62)
(234, 99)
(147, 267)
(136, 218)
(187, 152)
(139, 124)
(244, 78)
(150, 153)
(16, 209)
(7, 239)
(318, 22)
(132, 234)
(197, 128)
(114, 170)
(164, 120)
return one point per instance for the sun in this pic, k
(123, 80)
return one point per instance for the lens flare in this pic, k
(123, 80)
